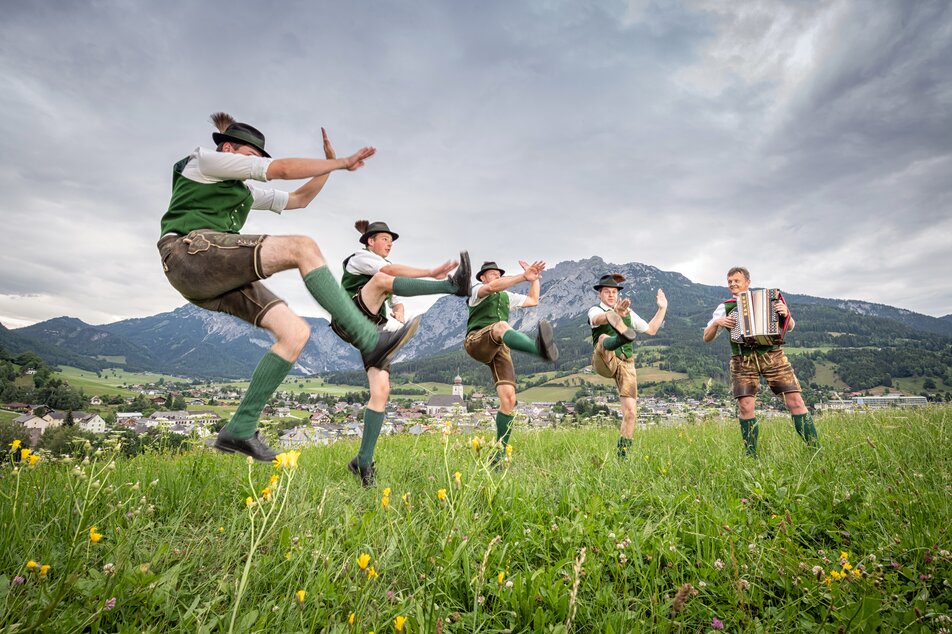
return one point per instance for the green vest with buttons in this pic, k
(222, 206)
(626, 351)
(494, 308)
(353, 282)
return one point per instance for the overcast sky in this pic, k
(809, 141)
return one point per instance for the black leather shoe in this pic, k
(463, 278)
(388, 345)
(617, 322)
(254, 446)
(366, 475)
(545, 342)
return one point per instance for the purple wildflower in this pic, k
(743, 500)
(110, 604)
(18, 580)
(717, 624)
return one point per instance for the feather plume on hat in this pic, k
(618, 277)
(362, 225)
(222, 120)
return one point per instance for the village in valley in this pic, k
(299, 418)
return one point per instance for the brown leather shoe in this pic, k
(389, 343)
(545, 342)
(463, 278)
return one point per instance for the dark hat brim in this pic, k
(599, 287)
(370, 234)
(222, 137)
(479, 275)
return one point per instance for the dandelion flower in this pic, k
(94, 535)
(274, 480)
(249, 501)
(500, 577)
(385, 502)
(475, 443)
(287, 460)
(508, 450)
(45, 568)
(371, 573)
(406, 499)
(31, 565)
(25, 454)
(266, 493)
(386, 492)
(441, 495)
(398, 623)
(299, 595)
(363, 561)
(458, 477)
(351, 618)
(844, 555)
(15, 445)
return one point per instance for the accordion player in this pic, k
(757, 321)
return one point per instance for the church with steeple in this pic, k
(445, 404)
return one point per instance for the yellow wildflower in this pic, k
(385, 502)
(847, 566)
(363, 560)
(441, 495)
(287, 460)
(475, 442)
(266, 493)
(500, 577)
(351, 618)
(836, 574)
(857, 574)
(45, 568)
(274, 480)
(33, 459)
(508, 450)
(398, 623)
(386, 492)
(458, 477)
(827, 580)
(221, 529)
(15, 445)
(406, 499)
(844, 555)
(94, 535)
(371, 573)
(299, 595)
(25, 453)
(31, 565)
(249, 501)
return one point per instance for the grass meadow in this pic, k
(687, 535)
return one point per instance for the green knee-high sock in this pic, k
(750, 430)
(613, 342)
(504, 427)
(806, 428)
(328, 293)
(520, 341)
(411, 286)
(266, 378)
(623, 445)
(373, 421)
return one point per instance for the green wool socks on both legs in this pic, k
(266, 378)
(373, 422)
(329, 294)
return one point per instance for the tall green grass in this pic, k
(684, 535)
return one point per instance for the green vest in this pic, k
(353, 282)
(626, 351)
(494, 308)
(736, 348)
(221, 206)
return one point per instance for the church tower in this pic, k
(458, 386)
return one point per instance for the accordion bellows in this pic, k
(757, 322)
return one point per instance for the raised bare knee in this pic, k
(295, 336)
(307, 253)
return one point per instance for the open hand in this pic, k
(662, 300)
(397, 313)
(356, 160)
(329, 152)
(441, 271)
(622, 306)
(532, 271)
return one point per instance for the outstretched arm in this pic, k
(437, 272)
(655, 324)
(530, 273)
(295, 168)
(303, 195)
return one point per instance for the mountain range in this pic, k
(193, 342)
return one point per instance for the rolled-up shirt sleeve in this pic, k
(270, 199)
(719, 312)
(219, 166)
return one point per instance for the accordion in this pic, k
(757, 322)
